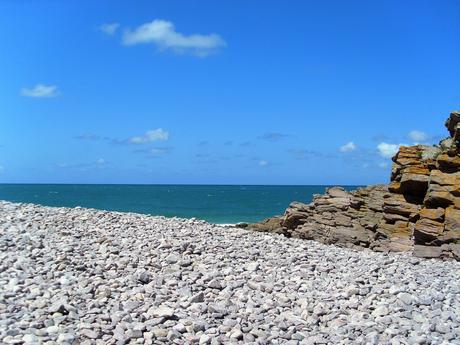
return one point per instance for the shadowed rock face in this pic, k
(419, 210)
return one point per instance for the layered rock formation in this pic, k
(419, 210)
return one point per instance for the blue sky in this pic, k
(233, 92)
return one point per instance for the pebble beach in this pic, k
(85, 276)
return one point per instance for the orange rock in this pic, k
(446, 162)
(414, 184)
(427, 230)
(436, 214)
(394, 187)
(445, 179)
(410, 152)
(338, 192)
(417, 169)
(397, 204)
(396, 230)
(407, 161)
(452, 122)
(438, 196)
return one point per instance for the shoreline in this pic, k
(224, 224)
(76, 275)
(2, 201)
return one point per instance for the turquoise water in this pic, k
(218, 204)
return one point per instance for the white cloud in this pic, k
(40, 91)
(263, 163)
(152, 135)
(348, 147)
(100, 163)
(418, 136)
(160, 151)
(388, 150)
(274, 136)
(163, 34)
(109, 28)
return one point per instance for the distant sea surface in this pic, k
(214, 203)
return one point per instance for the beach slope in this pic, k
(83, 276)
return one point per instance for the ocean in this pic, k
(214, 203)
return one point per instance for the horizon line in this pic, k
(183, 184)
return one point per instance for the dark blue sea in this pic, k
(214, 203)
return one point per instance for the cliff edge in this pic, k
(418, 211)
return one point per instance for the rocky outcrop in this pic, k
(418, 211)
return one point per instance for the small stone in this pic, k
(172, 335)
(199, 326)
(205, 339)
(65, 338)
(159, 332)
(217, 308)
(297, 336)
(163, 311)
(417, 317)
(442, 328)
(172, 258)
(237, 334)
(405, 298)
(253, 285)
(89, 333)
(139, 326)
(148, 335)
(12, 332)
(215, 284)
(253, 266)
(198, 298)
(351, 291)
(134, 334)
(425, 300)
(380, 311)
(52, 330)
(179, 327)
(58, 307)
(30, 339)
(373, 338)
(129, 306)
(145, 277)
(319, 310)
(417, 340)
